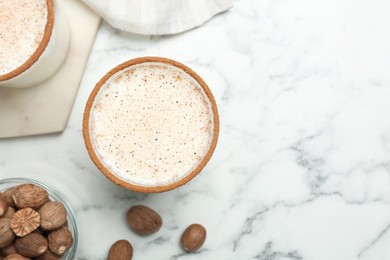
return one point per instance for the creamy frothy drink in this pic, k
(33, 41)
(22, 26)
(150, 124)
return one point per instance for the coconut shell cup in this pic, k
(125, 183)
(47, 57)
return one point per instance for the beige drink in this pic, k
(151, 125)
(34, 39)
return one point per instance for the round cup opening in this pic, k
(33, 57)
(132, 153)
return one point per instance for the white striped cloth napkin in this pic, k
(158, 17)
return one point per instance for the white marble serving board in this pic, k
(46, 108)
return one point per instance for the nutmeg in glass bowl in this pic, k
(53, 195)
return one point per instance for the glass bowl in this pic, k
(54, 195)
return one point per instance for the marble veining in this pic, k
(302, 166)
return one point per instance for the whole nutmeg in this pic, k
(9, 250)
(25, 221)
(7, 194)
(143, 220)
(60, 240)
(7, 236)
(4, 205)
(193, 237)
(48, 255)
(120, 250)
(30, 196)
(31, 245)
(40, 231)
(53, 215)
(9, 213)
(16, 257)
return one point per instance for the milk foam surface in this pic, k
(151, 124)
(22, 26)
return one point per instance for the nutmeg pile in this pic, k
(32, 226)
(145, 221)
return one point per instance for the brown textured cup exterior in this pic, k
(139, 188)
(41, 48)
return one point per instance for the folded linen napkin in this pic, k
(157, 17)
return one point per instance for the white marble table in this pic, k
(302, 168)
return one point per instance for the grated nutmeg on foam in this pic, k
(151, 124)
